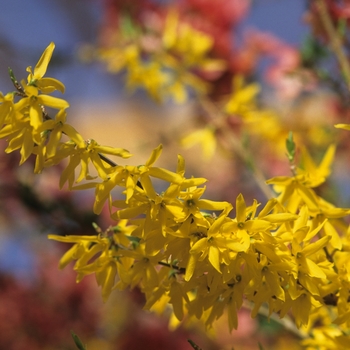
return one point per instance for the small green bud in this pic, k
(290, 145)
(78, 342)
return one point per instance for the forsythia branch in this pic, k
(201, 257)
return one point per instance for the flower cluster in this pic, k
(27, 126)
(200, 256)
(165, 60)
(194, 50)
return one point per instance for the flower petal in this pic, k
(41, 66)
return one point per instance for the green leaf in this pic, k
(290, 145)
(12, 75)
(78, 342)
(128, 27)
(312, 52)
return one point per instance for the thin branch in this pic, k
(335, 40)
(180, 270)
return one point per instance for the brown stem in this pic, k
(180, 270)
(335, 40)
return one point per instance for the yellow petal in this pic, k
(190, 266)
(165, 175)
(120, 152)
(55, 137)
(327, 160)
(206, 204)
(170, 30)
(180, 169)
(343, 126)
(48, 85)
(268, 207)
(257, 225)
(6, 108)
(68, 173)
(154, 156)
(301, 309)
(176, 300)
(36, 116)
(316, 246)
(109, 273)
(280, 218)
(312, 269)
(232, 315)
(74, 135)
(240, 208)
(27, 147)
(74, 253)
(199, 246)
(214, 257)
(41, 66)
(308, 196)
(335, 241)
(130, 213)
(52, 101)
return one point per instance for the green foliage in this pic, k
(78, 342)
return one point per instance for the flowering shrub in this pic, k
(198, 256)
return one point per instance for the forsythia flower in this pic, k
(242, 101)
(36, 78)
(343, 126)
(169, 68)
(180, 248)
(205, 137)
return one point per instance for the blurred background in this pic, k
(40, 305)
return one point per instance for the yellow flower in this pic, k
(92, 255)
(177, 296)
(211, 245)
(55, 128)
(83, 155)
(167, 68)
(6, 108)
(294, 191)
(19, 136)
(150, 76)
(326, 338)
(343, 126)
(143, 271)
(35, 78)
(205, 137)
(240, 230)
(190, 44)
(118, 58)
(317, 174)
(242, 100)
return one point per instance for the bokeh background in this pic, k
(40, 305)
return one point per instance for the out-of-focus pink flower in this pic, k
(284, 58)
(225, 13)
